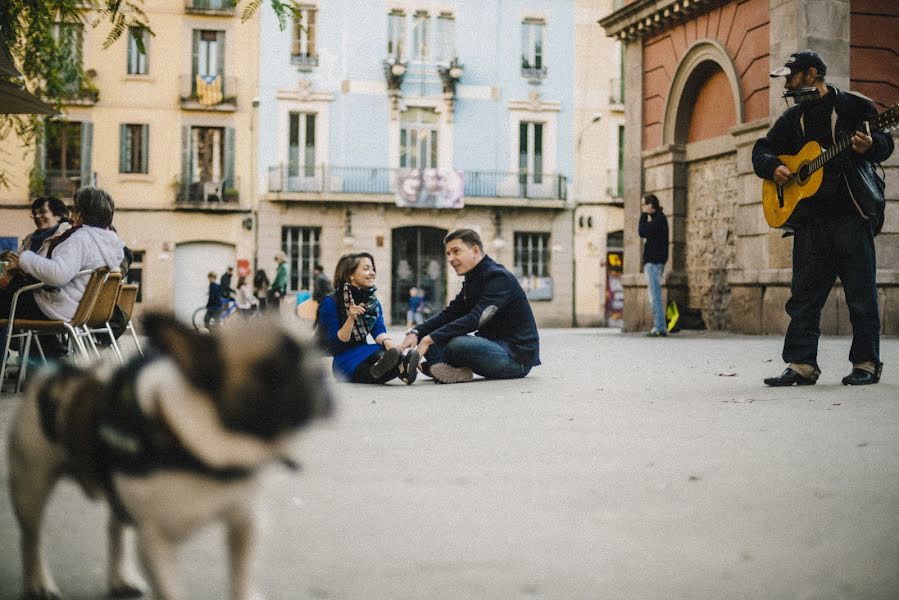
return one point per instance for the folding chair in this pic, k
(127, 298)
(98, 322)
(27, 328)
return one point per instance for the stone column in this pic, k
(635, 301)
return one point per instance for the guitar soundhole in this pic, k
(802, 173)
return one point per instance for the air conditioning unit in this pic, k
(212, 191)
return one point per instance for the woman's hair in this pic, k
(56, 206)
(347, 265)
(652, 201)
(95, 206)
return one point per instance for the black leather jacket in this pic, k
(865, 187)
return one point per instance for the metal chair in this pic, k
(98, 322)
(27, 328)
(127, 298)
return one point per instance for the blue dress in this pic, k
(347, 355)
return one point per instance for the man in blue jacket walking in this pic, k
(492, 305)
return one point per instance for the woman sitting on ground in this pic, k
(87, 245)
(349, 315)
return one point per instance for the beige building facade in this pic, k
(169, 134)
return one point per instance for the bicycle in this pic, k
(228, 308)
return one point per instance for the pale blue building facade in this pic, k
(381, 126)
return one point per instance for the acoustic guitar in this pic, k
(779, 201)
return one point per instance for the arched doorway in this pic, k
(193, 262)
(417, 261)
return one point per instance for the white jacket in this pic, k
(63, 227)
(86, 248)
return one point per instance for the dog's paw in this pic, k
(125, 590)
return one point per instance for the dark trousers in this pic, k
(822, 251)
(27, 308)
(362, 373)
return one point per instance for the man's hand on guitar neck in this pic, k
(861, 142)
(782, 175)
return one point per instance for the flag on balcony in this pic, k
(209, 89)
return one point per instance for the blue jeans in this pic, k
(485, 357)
(654, 286)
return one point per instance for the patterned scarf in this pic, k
(366, 321)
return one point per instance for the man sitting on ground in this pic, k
(492, 305)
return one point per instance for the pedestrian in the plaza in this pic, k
(225, 283)
(246, 301)
(492, 306)
(213, 302)
(278, 290)
(321, 285)
(51, 220)
(834, 236)
(261, 285)
(414, 314)
(352, 314)
(88, 244)
(653, 228)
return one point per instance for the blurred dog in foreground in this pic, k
(173, 442)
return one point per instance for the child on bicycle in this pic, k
(214, 301)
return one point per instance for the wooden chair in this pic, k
(27, 328)
(127, 298)
(98, 322)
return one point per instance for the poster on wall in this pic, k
(430, 188)
(614, 289)
(536, 288)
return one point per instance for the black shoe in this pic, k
(862, 377)
(388, 360)
(791, 377)
(409, 367)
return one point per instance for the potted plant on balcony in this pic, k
(229, 194)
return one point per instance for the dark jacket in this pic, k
(321, 287)
(655, 229)
(786, 137)
(512, 324)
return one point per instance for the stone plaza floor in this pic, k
(622, 468)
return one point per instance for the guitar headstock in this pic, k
(888, 120)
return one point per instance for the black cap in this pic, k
(801, 61)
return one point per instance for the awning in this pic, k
(14, 98)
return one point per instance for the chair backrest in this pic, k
(127, 298)
(106, 301)
(91, 291)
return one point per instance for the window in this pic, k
(209, 53)
(301, 153)
(136, 273)
(304, 50)
(64, 144)
(420, 36)
(396, 35)
(418, 139)
(137, 59)
(446, 38)
(530, 152)
(301, 245)
(619, 188)
(531, 254)
(207, 164)
(133, 143)
(70, 38)
(532, 47)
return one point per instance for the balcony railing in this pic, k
(209, 7)
(614, 184)
(304, 62)
(207, 194)
(616, 91)
(380, 180)
(208, 93)
(533, 74)
(61, 185)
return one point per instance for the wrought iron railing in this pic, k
(208, 91)
(382, 180)
(209, 6)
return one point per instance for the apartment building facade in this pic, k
(166, 129)
(363, 106)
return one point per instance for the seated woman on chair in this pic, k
(87, 245)
(349, 315)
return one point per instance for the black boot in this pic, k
(862, 377)
(791, 377)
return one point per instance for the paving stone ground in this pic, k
(624, 467)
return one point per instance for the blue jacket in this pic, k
(512, 325)
(347, 355)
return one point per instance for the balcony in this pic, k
(330, 180)
(218, 94)
(304, 62)
(616, 91)
(78, 93)
(217, 8)
(534, 75)
(207, 195)
(62, 184)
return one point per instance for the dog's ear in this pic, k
(196, 355)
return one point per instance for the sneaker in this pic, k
(409, 366)
(388, 360)
(445, 373)
(657, 333)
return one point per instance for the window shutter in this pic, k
(145, 149)
(220, 43)
(229, 157)
(123, 148)
(186, 175)
(310, 33)
(87, 142)
(297, 33)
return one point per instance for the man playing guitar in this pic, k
(833, 236)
